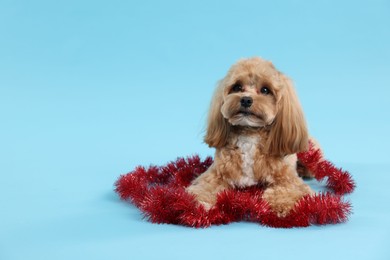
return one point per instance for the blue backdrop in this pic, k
(90, 89)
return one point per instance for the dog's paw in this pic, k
(201, 197)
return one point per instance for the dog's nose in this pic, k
(246, 102)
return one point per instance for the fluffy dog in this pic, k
(257, 126)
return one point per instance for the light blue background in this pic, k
(90, 89)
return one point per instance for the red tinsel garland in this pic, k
(159, 192)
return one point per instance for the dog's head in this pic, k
(254, 94)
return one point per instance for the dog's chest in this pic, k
(247, 146)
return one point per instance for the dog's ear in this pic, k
(288, 132)
(218, 128)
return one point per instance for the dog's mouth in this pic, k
(245, 117)
(247, 113)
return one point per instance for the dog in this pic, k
(256, 124)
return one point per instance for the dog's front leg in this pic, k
(206, 187)
(285, 190)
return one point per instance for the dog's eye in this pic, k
(236, 88)
(265, 90)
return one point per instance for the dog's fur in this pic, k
(257, 142)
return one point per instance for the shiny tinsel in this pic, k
(159, 192)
